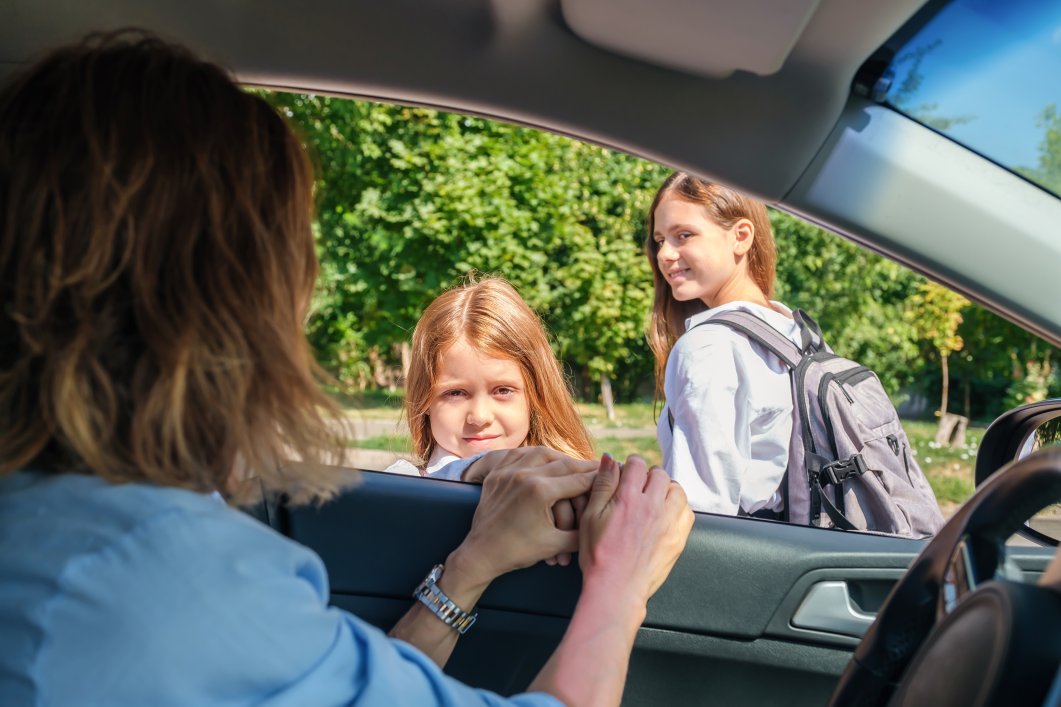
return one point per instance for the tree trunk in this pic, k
(606, 396)
(968, 401)
(407, 357)
(379, 372)
(946, 384)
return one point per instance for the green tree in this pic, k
(1048, 172)
(412, 199)
(936, 313)
(908, 65)
(858, 297)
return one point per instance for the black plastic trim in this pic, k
(1002, 442)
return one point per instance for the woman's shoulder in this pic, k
(85, 517)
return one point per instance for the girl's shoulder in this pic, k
(699, 333)
(714, 352)
(404, 466)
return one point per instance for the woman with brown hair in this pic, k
(727, 420)
(156, 265)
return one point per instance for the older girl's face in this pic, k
(698, 258)
(479, 402)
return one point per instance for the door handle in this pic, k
(828, 607)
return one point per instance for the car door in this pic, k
(755, 612)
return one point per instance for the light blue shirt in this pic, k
(143, 595)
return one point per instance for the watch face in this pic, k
(435, 574)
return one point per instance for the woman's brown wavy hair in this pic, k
(156, 264)
(725, 207)
(490, 315)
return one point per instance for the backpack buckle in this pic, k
(850, 468)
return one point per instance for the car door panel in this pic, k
(719, 630)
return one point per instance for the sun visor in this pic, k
(712, 38)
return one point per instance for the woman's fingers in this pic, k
(567, 466)
(604, 487)
(563, 519)
(559, 488)
(635, 527)
(658, 483)
(541, 460)
(634, 476)
(579, 504)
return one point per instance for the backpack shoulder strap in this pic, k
(758, 330)
(809, 331)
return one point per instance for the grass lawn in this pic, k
(389, 443)
(949, 471)
(626, 415)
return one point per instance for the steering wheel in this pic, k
(954, 630)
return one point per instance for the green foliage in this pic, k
(936, 313)
(412, 199)
(857, 297)
(1048, 172)
(995, 361)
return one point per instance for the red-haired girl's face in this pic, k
(479, 402)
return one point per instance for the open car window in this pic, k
(411, 199)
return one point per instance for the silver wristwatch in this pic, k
(441, 605)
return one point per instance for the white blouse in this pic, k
(441, 465)
(732, 406)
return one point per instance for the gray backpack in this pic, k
(849, 461)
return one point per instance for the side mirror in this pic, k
(1015, 435)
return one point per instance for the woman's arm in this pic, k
(513, 527)
(632, 532)
(633, 528)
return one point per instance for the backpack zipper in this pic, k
(823, 386)
(801, 395)
(853, 376)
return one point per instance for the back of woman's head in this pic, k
(725, 207)
(156, 263)
(491, 316)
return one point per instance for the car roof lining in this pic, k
(519, 61)
(759, 36)
(526, 66)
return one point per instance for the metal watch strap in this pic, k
(441, 605)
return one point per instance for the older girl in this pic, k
(725, 429)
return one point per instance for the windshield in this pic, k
(984, 73)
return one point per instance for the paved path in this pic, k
(365, 428)
(361, 428)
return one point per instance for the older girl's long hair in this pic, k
(156, 264)
(725, 207)
(493, 318)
